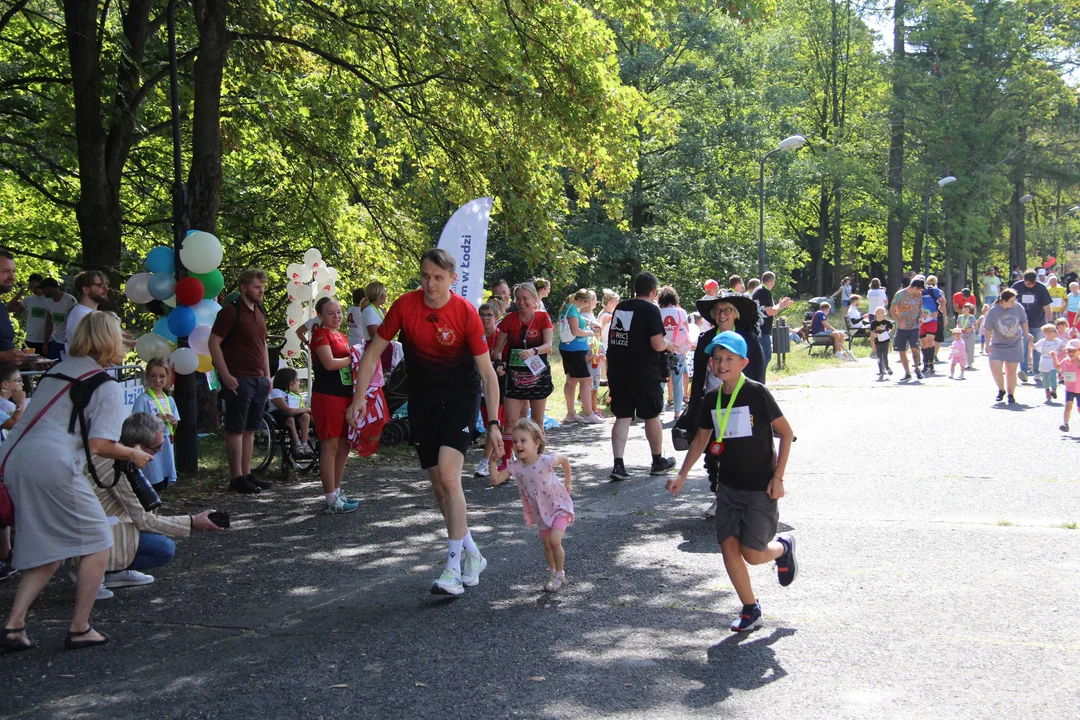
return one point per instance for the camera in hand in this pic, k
(221, 519)
(142, 488)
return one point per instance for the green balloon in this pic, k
(230, 297)
(213, 283)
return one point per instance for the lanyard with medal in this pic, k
(164, 408)
(718, 446)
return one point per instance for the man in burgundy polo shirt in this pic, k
(238, 348)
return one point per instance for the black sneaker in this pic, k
(1053, 394)
(749, 619)
(786, 567)
(918, 374)
(1012, 400)
(888, 370)
(241, 484)
(663, 467)
(262, 483)
(619, 473)
(907, 376)
(1063, 427)
(1000, 395)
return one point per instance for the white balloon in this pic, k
(199, 339)
(298, 291)
(184, 360)
(330, 274)
(296, 271)
(330, 292)
(313, 258)
(201, 253)
(136, 288)
(296, 314)
(150, 346)
(292, 347)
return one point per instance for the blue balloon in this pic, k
(182, 321)
(161, 260)
(161, 286)
(205, 312)
(161, 327)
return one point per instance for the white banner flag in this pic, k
(465, 237)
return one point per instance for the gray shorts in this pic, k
(904, 339)
(750, 515)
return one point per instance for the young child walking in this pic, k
(1047, 345)
(1070, 375)
(980, 327)
(880, 332)
(736, 422)
(288, 407)
(967, 321)
(156, 400)
(546, 501)
(957, 352)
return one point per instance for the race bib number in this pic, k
(740, 424)
(535, 364)
(883, 337)
(37, 312)
(58, 318)
(1027, 299)
(346, 375)
(515, 358)
(1056, 303)
(1069, 377)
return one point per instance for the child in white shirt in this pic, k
(288, 407)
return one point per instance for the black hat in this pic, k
(747, 308)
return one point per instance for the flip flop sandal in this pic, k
(9, 645)
(70, 643)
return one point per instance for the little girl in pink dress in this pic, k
(546, 501)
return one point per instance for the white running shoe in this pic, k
(104, 593)
(555, 584)
(482, 468)
(449, 583)
(472, 564)
(127, 578)
(573, 418)
(592, 419)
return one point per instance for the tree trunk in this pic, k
(896, 153)
(1017, 241)
(819, 242)
(204, 180)
(837, 259)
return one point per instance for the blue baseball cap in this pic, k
(729, 340)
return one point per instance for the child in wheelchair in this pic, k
(288, 409)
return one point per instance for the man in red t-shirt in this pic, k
(962, 298)
(447, 360)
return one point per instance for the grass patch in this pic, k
(1068, 526)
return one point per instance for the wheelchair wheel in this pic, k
(262, 451)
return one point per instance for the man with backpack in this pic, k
(238, 349)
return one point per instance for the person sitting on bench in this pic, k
(820, 327)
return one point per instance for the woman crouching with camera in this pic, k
(142, 540)
(43, 466)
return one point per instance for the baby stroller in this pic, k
(396, 391)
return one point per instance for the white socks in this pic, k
(468, 544)
(453, 556)
(331, 497)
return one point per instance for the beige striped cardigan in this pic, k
(120, 502)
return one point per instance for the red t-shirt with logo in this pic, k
(439, 343)
(512, 326)
(960, 301)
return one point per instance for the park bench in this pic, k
(812, 341)
(854, 333)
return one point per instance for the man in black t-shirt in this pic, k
(763, 297)
(635, 350)
(736, 422)
(1037, 303)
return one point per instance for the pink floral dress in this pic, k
(543, 495)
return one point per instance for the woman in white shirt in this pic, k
(365, 316)
(877, 297)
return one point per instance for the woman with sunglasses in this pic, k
(527, 333)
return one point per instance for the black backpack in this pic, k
(81, 392)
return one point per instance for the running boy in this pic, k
(736, 423)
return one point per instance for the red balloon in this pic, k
(1052, 260)
(189, 291)
(1047, 264)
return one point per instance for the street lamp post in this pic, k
(791, 143)
(948, 179)
(1020, 251)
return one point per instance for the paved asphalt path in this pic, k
(937, 580)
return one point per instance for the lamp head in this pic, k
(791, 143)
(947, 180)
(1074, 209)
(1026, 199)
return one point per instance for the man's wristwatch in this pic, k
(494, 422)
